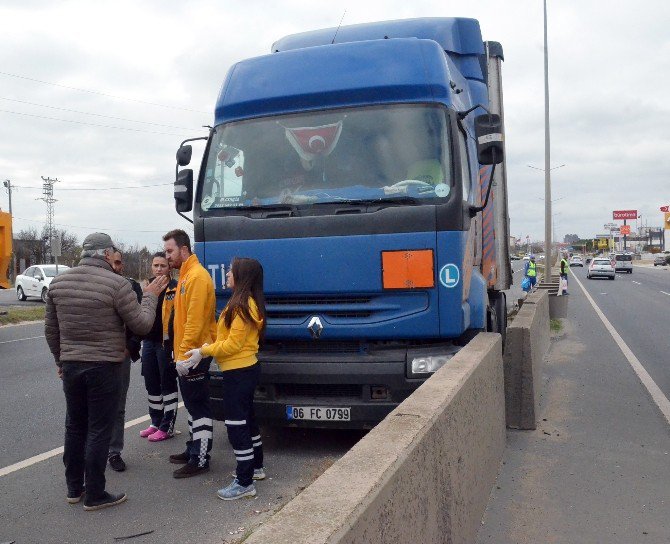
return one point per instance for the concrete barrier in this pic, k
(526, 344)
(424, 474)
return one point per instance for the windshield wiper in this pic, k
(267, 207)
(381, 200)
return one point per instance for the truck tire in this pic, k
(497, 315)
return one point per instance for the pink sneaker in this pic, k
(148, 431)
(159, 436)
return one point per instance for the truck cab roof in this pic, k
(433, 60)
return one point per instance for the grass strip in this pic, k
(17, 315)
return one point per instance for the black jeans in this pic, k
(238, 408)
(92, 397)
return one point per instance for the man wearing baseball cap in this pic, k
(88, 310)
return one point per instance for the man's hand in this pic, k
(157, 286)
(59, 370)
(183, 367)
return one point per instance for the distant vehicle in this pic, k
(623, 262)
(526, 257)
(576, 261)
(660, 260)
(601, 267)
(589, 259)
(35, 281)
(514, 257)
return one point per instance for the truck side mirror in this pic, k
(488, 132)
(184, 155)
(183, 190)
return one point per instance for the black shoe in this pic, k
(180, 458)
(117, 463)
(189, 470)
(105, 501)
(73, 497)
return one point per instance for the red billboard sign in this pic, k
(624, 214)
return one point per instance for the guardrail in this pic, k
(424, 474)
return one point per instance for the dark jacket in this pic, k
(88, 309)
(156, 332)
(134, 341)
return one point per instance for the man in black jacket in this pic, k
(132, 354)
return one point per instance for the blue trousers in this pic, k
(195, 393)
(160, 380)
(238, 409)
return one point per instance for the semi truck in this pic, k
(364, 168)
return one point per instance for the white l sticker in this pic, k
(450, 275)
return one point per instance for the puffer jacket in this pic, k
(88, 308)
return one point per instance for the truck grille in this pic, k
(316, 390)
(310, 346)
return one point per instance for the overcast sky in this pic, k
(154, 68)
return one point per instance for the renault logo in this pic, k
(315, 327)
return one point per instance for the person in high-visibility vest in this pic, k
(530, 271)
(564, 272)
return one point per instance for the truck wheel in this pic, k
(497, 315)
(20, 294)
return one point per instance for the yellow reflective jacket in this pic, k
(532, 271)
(194, 309)
(236, 347)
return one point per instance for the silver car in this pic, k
(34, 282)
(601, 267)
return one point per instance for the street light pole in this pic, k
(547, 157)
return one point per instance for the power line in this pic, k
(100, 93)
(93, 228)
(93, 114)
(96, 188)
(91, 124)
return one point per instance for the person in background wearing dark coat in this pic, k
(132, 354)
(88, 309)
(158, 369)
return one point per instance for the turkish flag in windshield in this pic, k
(310, 142)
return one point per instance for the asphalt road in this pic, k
(597, 468)
(32, 499)
(638, 306)
(8, 298)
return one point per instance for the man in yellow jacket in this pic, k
(194, 324)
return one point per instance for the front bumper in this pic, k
(331, 380)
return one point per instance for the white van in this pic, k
(623, 262)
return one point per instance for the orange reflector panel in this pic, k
(408, 269)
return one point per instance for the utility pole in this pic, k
(8, 185)
(547, 153)
(48, 197)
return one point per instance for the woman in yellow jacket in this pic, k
(240, 328)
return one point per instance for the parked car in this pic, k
(601, 267)
(660, 260)
(576, 261)
(34, 282)
(623, 262)
(514, 257)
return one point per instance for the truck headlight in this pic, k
(428, 365)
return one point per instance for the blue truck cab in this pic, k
(356, 166)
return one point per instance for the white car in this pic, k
(34, 282)
(576, 261)
(601, 267)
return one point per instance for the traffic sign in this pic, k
(624, 214)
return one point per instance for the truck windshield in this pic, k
(348, 155)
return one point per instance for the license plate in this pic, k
(318, 413)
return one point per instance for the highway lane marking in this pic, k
(636, 282)
(20, 339)
(665, 293)
(654, 390)
(59, 451)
